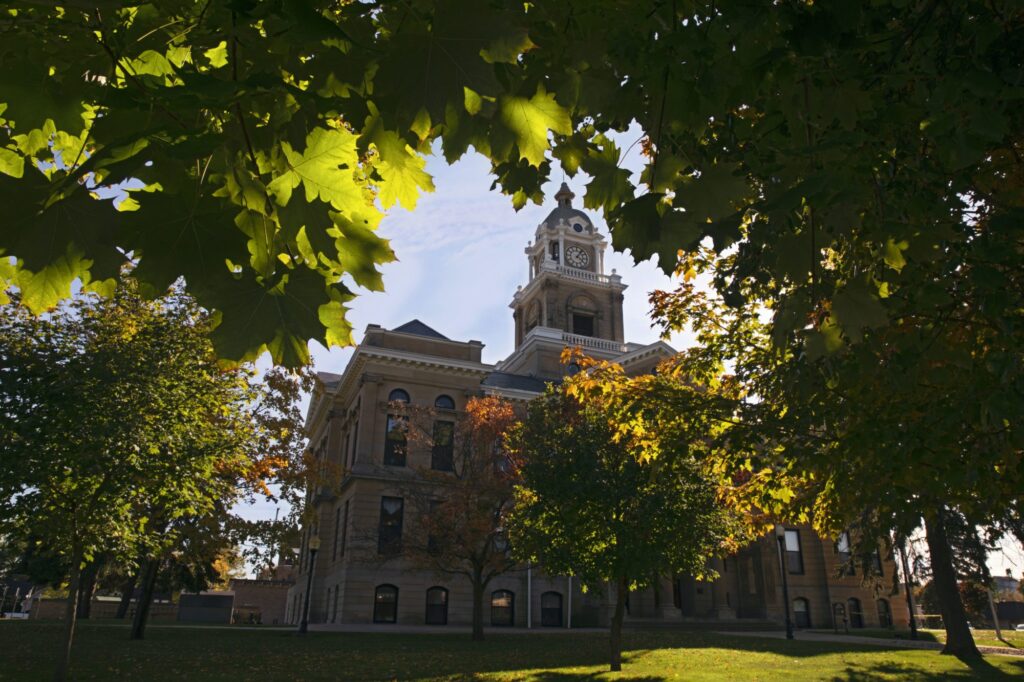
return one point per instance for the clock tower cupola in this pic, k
(568, 299)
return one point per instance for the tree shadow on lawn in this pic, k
(104, 653)
(980, 669)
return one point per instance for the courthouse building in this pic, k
(568, 300)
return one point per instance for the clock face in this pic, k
(576, 257)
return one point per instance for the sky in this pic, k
(460, 258)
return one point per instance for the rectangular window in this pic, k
(395, 441)
(794, 557)
(876, 562)
(389, 532)
(344, 529)
(337, 533)
(433, 543)
(355, 445)
(582, 324)
(843, 553)
(334, 612)
(442, 456)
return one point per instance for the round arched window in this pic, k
(502, 607)
(444, 402)
(398, 396)
(385, 604)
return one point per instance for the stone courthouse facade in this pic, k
(568, 300)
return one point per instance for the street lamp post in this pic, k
(314, 545)
(780, 536)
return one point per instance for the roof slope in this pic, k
(419, 329)
(519, 382)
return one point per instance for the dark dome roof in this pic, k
(569, 215)
(565, 211)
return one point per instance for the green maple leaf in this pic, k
(610, 186)
(341, 242)
(442, 50)
(325, 169)
(44, 288)
(56, 243)
(182, 235)
(570, 152)
(280, 319)
(711, 195)
(11, 163)
(856, 308)
(399, 166)
(262, 232)
(530, 120)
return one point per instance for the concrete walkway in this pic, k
(872, 641)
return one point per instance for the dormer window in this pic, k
(578, 227)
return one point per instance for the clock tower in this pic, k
(568, 299)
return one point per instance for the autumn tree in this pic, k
(881, 404)
(612, 503)
(459, 504)
(123, 430)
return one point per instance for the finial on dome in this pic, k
(564, 196)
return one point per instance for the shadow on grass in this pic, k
(979, 669)
(105, 653)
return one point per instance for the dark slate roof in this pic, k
(565, 211)
(569, 215)
(519, 382)
(329, 379)
(419, 329)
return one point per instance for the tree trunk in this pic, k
(87, 585)
(478, 609)
(959, 641)
(127, 590)
(151, 568)
(616, 633)
(70, 615)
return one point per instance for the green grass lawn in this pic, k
(27, 652)
(981, 637)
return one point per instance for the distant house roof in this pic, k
(419, 329)
(519, 382)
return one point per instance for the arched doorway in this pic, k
(551, 609)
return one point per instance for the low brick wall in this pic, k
(53, 609)
(261, 601)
